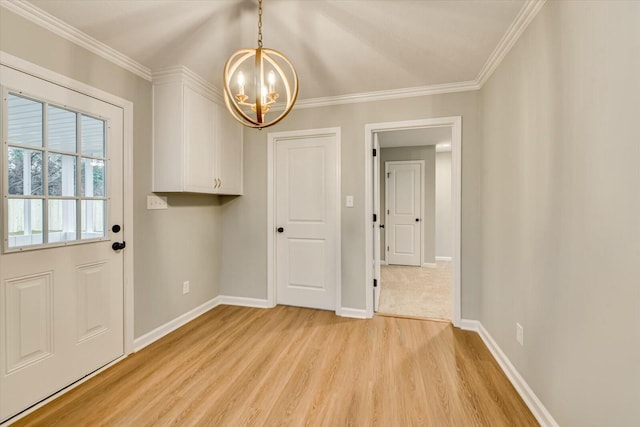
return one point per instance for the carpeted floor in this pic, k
(416, 291)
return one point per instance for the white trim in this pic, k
(469, 325)
(530, 399)
(429, 265)
(172, 325)
(455, 123)
(45, 20)
(443, 148)
(68, 32)
(529, 11)
(184, 74)
(244, 302)
(354, 313)
(383, 262)
(272, 138)
(61, 28)
(443, 258)
(127, 106)
(385, 95)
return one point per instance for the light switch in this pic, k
(349, 201)
(156, 202)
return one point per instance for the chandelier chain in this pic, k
(260, 23)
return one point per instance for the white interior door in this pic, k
(61, 282)
(307, 197)
(403, 224)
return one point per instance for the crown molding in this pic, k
(529, 11)
(38, 16)
(180, 72)
(66, 31)
(385, 95)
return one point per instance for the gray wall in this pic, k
(444, 220)
(428, 154)
(561, 210)
(181, 243)
(244, 235)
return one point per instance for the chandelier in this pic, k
(249, 96)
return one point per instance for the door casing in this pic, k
(272, 139)
(372, 258)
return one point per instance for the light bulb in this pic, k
(241, 83)
(272, 81)
(264, 95)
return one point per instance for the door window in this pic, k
(56, 178)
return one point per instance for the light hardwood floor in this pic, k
(236, 366)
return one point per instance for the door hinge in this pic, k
(387, 248)
(388, 174)
(375, 283)
(375, 217)
(375, 152)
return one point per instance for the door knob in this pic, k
(280, 229)
(417, 219)
(118, 246)
(116, 228)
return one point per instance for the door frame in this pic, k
(372, 260)
(272, 140)
(21, 65)
(423, 240)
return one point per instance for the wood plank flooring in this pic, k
(236, 366)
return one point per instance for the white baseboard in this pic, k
(443, 258)
(530, 399)
(383, 262)
(469, 325)
(245, 302)
(167, 328)
(354, 313)
(535, 405)
(429, 264)
(159, 332)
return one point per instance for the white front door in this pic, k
(307, 201)
(403, 191)
(61, 295)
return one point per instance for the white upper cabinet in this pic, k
(197, 145)
(229, 146)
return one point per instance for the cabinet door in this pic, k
(229, 153)
(199, 136)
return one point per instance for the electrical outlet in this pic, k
(520, 334)
(185, 287)
(156, 202)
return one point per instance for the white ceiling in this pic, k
(415, 137)
(338, 47)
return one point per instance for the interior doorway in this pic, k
(418, 140)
